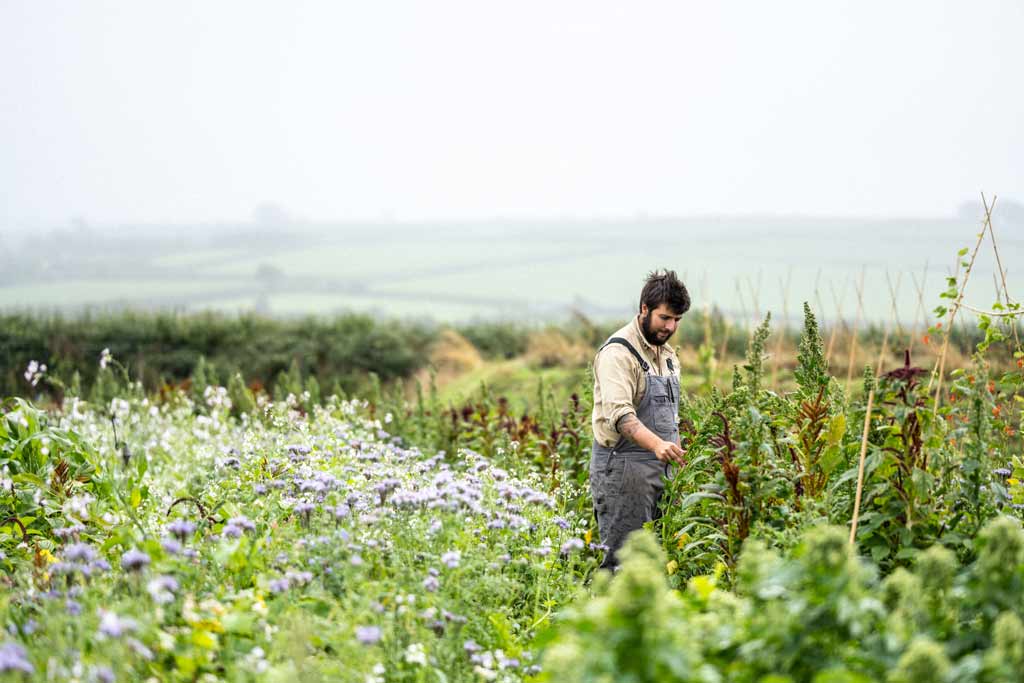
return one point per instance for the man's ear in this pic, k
(643, 310)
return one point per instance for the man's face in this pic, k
(658, 325)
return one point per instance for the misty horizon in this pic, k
(153, 114)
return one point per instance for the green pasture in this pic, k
(743, 266)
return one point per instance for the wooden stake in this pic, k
(860, 467)
(999, 266)
(893, 294)
(920, 311)
(952, 313)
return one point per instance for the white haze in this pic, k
(198, 112)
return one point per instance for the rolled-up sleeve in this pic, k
(617, 379)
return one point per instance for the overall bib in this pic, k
(626, 480)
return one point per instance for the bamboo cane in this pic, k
(893, 295)
(952, 313)
(1002, 271)
(920, 311)
(860, 467)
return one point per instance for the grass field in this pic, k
(531, 271)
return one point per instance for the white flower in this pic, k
(415, 654)
(34, 372)
(78, 506)
(388, 417)
(105, 358)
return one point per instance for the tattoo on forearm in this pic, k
(629, 426)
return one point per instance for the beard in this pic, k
(653, 338)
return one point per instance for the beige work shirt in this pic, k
(619, 382)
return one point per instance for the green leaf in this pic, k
(29, 478)
(830, 458)
(695, 498)
(836, 429)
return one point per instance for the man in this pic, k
(636, 413)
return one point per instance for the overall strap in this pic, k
(636, 354)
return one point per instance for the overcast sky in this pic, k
(200, 111)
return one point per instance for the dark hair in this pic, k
(664, 287)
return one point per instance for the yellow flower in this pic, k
(702, 586)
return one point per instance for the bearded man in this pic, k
(636, 414)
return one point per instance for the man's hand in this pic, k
(666, 451)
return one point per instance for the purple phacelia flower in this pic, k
(181, 528)
(300, 578)
(451, 559)
(170, 546)
(67, 532)
(243, 523)
(163, 588)
(368, 635)
(278, 586)
(572, 545)
(134, 560)
(14, 658)
(431, 584)
(231, 531)
(62, 568)
(80, 552)
(454, 618)
(114, 626)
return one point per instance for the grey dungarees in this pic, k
(626, 480)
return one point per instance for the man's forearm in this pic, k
(633, 429)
